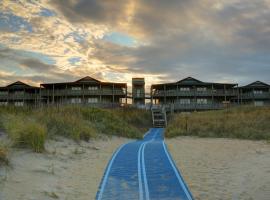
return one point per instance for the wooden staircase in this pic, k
(159, 117)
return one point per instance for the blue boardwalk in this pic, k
(143, 170)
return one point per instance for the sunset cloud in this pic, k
(212, 40)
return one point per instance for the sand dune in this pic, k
(223, 169)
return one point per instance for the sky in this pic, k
(115, 40)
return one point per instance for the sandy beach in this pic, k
(67, 171)
(214, 169)
(223, 169)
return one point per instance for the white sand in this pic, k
(68, 171)
(223, 169)
(214, 169)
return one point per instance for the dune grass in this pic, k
(3, 154)
(29, 127)
(241, 122)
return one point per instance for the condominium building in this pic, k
(191, 94)
(87, 91)
(19, 94)
(256, 93)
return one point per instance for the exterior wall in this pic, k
(255, 96)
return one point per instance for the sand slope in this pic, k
(68, 171)
(223, 169)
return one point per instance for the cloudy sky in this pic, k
(114, 40)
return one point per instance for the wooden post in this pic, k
(225, 93)
(113, 94)
(126, 95)
(151, 95)
(100, 93)
(53, 96)
(66, 94)
(212, 92)
(165, 99)
(83, 94)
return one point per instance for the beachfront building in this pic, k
(138, 91)
(191, 94)
(19, 94)
(86, 91)
(256, 93)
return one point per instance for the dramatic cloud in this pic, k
(212, 40)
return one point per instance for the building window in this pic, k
(257, 91)
(184, 101)
(201, 101)
(92, 100)
(93, 88)
(76, 88)
(19, 92)
(184, 89)
(18, 103)
(76, 100)
(201, 89)
(3, 103)
(258, 103)
(3, 92)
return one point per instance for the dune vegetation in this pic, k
(28, 127)
(3, 154)
(239, 122)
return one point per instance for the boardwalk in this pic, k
(143, 170)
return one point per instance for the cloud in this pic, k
(213, 40)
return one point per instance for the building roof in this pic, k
(84, 80)
(19, 85)
(190, 81)
(256, 84)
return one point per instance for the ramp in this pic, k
(143, 170)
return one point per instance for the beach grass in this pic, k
(3, 154)
(29, 127)
(240, 122)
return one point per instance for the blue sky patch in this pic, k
(44, 12)
(12, 23)
(74, 60)
(120, 39)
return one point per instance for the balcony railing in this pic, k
(251, 95)
(194, 106)
(162, 93)
(25, 96)
(68, 92)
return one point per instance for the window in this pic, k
(92, 100)
(93, 88)
(76, 100)
(257, 91)
(3, 103)
(3, 92)
(201, 101)
(18, 103)
(19, 92)
(184, 101)
(201, 89)
(184, 89)
(258, 103)
(76, 88)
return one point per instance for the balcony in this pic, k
(251, 95)
(20, 96)
(161, 93)
(68, 92)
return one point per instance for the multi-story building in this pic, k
(191, 94)
(256, 93)
(87, 90)
(19, 94)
